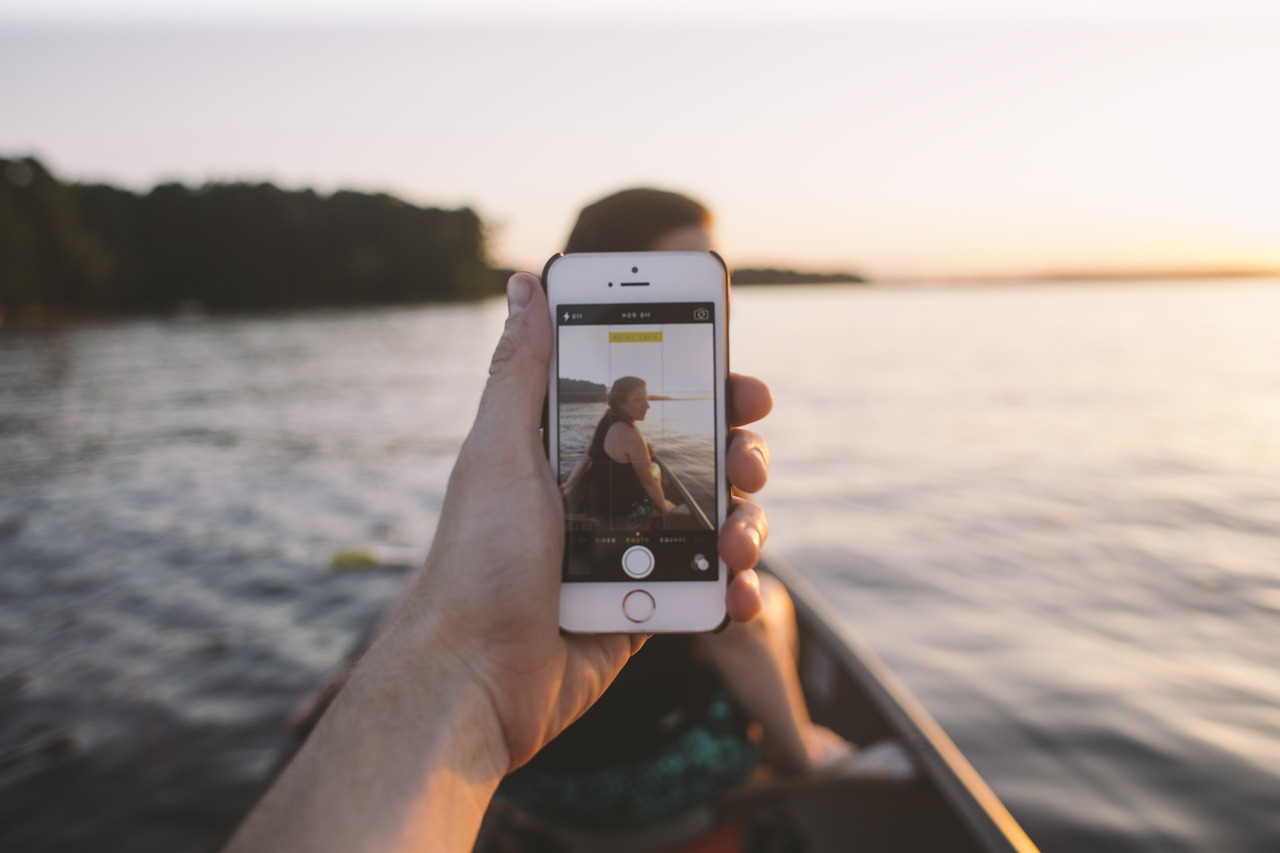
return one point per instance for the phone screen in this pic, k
(636, 413)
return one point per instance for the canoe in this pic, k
(947, 807)
(943, 807)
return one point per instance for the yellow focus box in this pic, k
(635, 337)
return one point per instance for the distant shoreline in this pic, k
(84, 252)
(47, 316)
(1102, 277)
(769, 275)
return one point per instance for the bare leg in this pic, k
(757, 660)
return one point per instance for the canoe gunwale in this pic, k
(939, 760)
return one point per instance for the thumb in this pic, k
(513, 396)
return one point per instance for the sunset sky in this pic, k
(949, 139)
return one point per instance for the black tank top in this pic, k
(613, 488)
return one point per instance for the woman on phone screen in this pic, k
(619, 487)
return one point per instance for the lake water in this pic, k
(1053, 509)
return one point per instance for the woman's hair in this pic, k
(633, 221)
(619, 391)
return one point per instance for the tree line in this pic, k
(73, 249)
(70, 249)
(772, 275)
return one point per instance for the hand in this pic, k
(472, 676)
(493, 573)
(515, 386)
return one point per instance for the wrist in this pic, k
(422, 689)
(407, 758)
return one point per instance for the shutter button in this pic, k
(637, 561)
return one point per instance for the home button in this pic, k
(638, 605)
(637, 561)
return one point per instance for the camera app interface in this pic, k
(637, 426)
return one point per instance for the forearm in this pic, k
(406, 759)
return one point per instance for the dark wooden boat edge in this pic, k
(947, 807)
(939, 761)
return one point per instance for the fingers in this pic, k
(749, 399)
(513, 396)
(747, 527)
(743, 535)
(743, 601)
(747, 461)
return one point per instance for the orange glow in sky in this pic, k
(901, 148)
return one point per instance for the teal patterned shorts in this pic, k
(709, 758)
(639, 513)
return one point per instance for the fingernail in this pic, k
(519, 292)
(760, 455)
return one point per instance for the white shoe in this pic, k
(885, 760)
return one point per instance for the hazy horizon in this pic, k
(898, 149)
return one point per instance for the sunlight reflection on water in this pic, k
(1052, 509)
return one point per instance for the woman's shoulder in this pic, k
(625, 439)
(623, 429)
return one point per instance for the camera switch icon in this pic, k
(701, 563)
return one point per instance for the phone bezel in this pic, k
(680, 606)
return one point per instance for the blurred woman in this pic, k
(679, 724)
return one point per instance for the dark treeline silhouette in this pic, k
(94, 249)
(582, 391)
(777, 276)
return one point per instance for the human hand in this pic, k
(472, 675)
(489, 594)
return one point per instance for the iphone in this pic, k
(636, 431)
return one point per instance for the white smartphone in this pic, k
(637, 424)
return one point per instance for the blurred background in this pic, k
(1027, 434)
